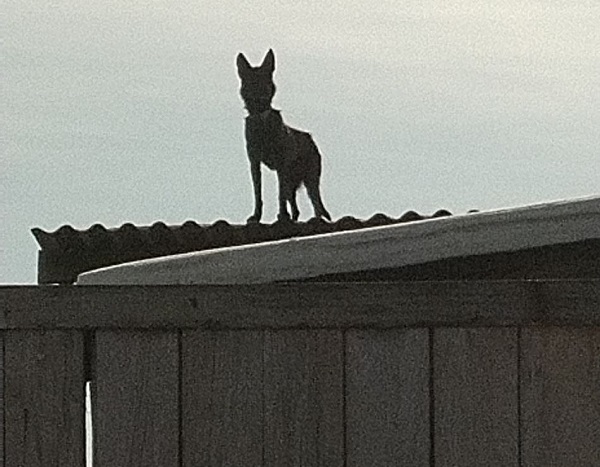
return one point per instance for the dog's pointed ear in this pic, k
(242, 64)
(268, 63)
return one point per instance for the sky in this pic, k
(117, 112)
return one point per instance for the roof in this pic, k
(395, 245)
(67, 252)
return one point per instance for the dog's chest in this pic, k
(270, 140)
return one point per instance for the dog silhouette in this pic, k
(290, 152)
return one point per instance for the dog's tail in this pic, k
(324, 212)
(312, 183)
(315, 197)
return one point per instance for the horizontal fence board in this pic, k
(475, 374)
(304, 421)
(136, 390)
(387, 398)
(560, 386)
(313, 305)
(44, 399)
(222, 391)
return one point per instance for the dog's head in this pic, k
(257, 88)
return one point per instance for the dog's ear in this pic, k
(268, 63)
(242, 64)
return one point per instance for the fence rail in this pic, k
(314, 374)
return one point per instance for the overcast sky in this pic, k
(117, 112)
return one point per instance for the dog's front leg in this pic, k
(257, 183)
(284, 196)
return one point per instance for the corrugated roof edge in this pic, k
(66, 252)
(390, 246)
(68, 238)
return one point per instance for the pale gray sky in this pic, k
(120, 112)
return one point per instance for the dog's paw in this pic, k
(284, 218)
(254, 219)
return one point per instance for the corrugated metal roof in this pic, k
(566, 223)
(67, 252)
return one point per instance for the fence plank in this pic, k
(136, 418)
(476, 397)
(44, 399)
(304, 398)
(560, 398)
(2, 409)
(387, 397)
(222, 391)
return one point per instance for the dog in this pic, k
(291, 153)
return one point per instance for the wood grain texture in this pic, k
(136, 418)
(476, 397)
(44, 399)
(304, 421)
(222, 391)
(314, 305)
(560, 384)
(387, 398)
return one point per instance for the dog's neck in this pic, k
(261, 115)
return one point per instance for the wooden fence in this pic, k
(339, 374)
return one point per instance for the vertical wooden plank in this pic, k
(387, 397)
(476, 397)
(136, 419)
(44, 398)
(560, 396)
(222, 391)
(1, 399)
(304, 409)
